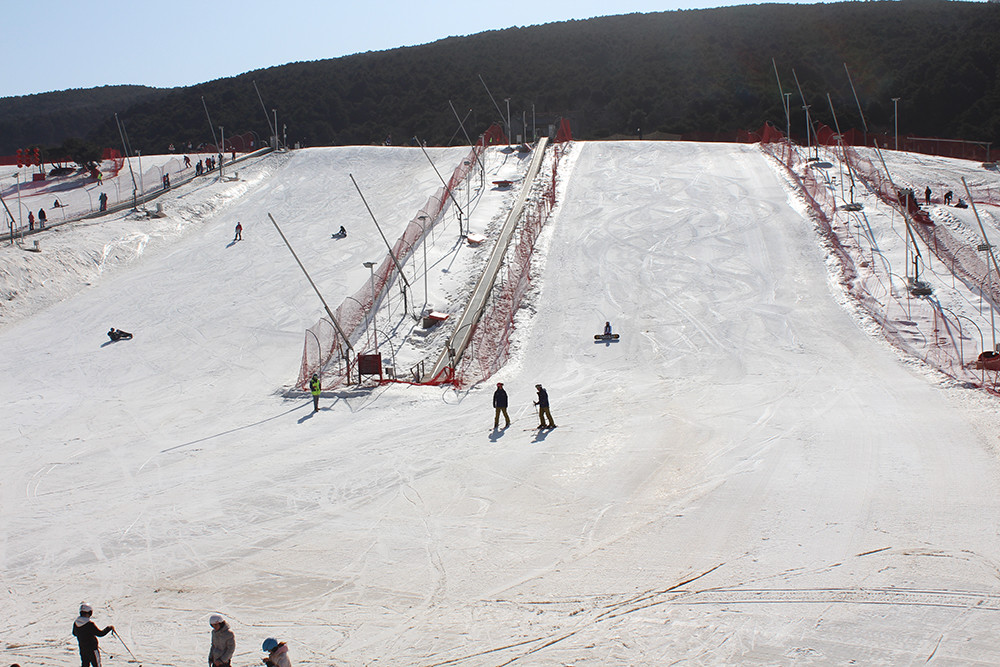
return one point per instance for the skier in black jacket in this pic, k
(543, 408)
(86, 634)
(500, 403)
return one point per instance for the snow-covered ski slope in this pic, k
(747, 477)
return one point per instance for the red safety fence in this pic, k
(324, 351)
(870, 283)
(489, 347)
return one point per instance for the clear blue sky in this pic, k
(60, 44)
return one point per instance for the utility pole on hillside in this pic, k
(895, 120)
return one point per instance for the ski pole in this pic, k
(134, 659)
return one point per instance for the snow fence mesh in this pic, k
(324, 351)
(489, 346)
(879, 292)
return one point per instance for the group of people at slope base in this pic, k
(500, 402)
(220, 653)
(947, 199)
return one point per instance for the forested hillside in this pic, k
(706, 72)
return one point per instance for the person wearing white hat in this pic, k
(86, 633)
(223, 642)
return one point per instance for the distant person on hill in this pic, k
(86, 633)
(56, 204)
(543, 408)
(342, 232)
(42, 218)
(117, 335)
(947, 197)
(103, 199)
(500, 405)
(607, 328)
(31, 220)
(927, 195)
(239, 232)
(187, 162)
(315, 387)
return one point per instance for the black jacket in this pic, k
(543, 398)
(500, 398)
(87, 633)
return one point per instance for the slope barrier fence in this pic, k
(871, 282)
(324, 352)
(489, 345)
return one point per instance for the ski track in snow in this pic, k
(749, 476)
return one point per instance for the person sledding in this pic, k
(118, 334)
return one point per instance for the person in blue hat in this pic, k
(277, 653)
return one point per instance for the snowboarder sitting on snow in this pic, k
(607, 328)
(277, 653)
(500, 403)
(118, 334)
(86, 634)
(223, 643)
(342, 232)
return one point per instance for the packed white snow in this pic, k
(749, 476)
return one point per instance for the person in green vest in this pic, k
(314, 389)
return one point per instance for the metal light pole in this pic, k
(507, 100)
(895, 120)
(808, 130)
(275, 112)
(423, 224)
(371, 268)
(20, 223)
(788, 117)
(142, 188)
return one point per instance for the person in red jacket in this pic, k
(86, 634)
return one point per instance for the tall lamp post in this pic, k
(371, 268)
(895, 120)
(788, 117)
(423, 224)
(20, 224)
(507, 100)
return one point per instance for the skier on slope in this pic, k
(277, 653)
(223, 643)
(239, 233)
(500, 403)
(543, 408)
(86, 633)
(315, 386)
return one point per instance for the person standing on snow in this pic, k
(86, 634)
(927, 195)
(239, 232)
(277, 653)
(315, 386)
(543, 408)
(223, 643)
(500, 403)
